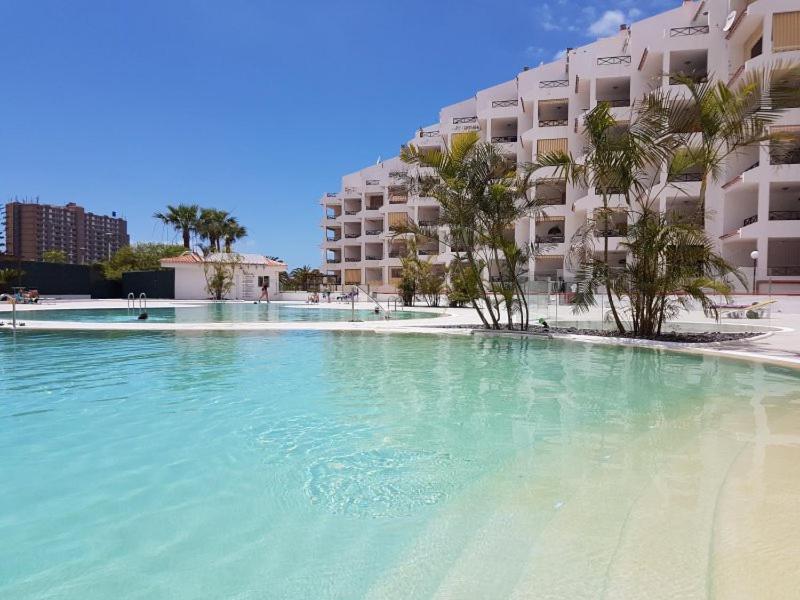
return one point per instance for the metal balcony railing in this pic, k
(504, 103)
(397, 174)
(427, 252)
(685, 177)
(398, 199)
(552, 200)
(374, 257)
(617, 103)
(791, 157)
(553, 123)
(614, 60)
(333, 239)
(373, 182)
(428, 134)
(351, 259)
(696, 77)
(553, 238)
(784, 215)
(374, 231)
(504, 139)
(351, 212)
(333, 261)
(750, 220)
(351, 236)
(784, 271)
(398, 253)
(690, 30)
(428, 222)
(374, 206)
(554, 83)
(331, 194)
(331, 217)
(621, 231)
(461, 120)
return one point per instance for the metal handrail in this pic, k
(378, 304)
(750, 220)
(131, 301)
(614, 60)
(428, 134)
(504, 139)
(690, 30)
(459, 120)
(552, 123)
(554, 83)
(504, 103)
(784, 215)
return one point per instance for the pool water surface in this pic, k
(190, 465)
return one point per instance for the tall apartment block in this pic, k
(753, 206)
(33, 228)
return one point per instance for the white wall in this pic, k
(190, 282)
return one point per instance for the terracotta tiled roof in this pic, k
(186, 257)
(247, 259)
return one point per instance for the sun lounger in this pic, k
(757, 309)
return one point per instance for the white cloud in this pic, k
(607, 24)
(559, 55)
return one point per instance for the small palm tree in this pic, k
(232, 231)
(183, 218)
(211, 227)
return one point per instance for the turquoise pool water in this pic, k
(327, 465)
(214, 313)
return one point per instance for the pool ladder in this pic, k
(131, 303)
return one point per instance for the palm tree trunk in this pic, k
(186, 240)
(611, 305)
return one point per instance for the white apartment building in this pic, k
(754, 206)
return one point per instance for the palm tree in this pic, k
(305, 278)
(480, 197)
(617, 159)
(211, 227)
(183, 218)
(231, 232)
(669, 265)
(718, 122)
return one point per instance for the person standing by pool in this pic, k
(264, 293)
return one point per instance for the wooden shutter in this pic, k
(352, 276)
(552, 145)
(398, 219)
(786, 31)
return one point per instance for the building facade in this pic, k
(248, 273)
(33, 229)
(754, 205)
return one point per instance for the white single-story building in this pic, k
(246, 273)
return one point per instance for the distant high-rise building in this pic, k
(32, 229)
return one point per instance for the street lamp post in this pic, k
(754, 256)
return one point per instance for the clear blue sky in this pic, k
(252, 106)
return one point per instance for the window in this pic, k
(263, 280)
(786, 31)
(553, 145)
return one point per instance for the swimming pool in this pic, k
(214, 312)
(343, 465)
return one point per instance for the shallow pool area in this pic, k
(216, 312)
(353, 465)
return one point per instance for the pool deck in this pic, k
(779, 345)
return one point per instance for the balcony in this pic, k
(504, 139)
(352, 259)
(398, 174)
(614, 231)
(373, 231)
(428, 252)
(685, 177)
(553, 123)
(690, 30)
(552, 200)
(350, 213)
(557, 238)
(504, 103)
(681, 78)
(351, 236)
(616, 103)
(554, 83)
(784, 271)
(464, 120)
(624, 59)
(398, 253)
(333, 261)
(784, 215)
(429, 134)
(373, 182)
(373, 257)
(787, 157)
(750, 220)
(398, 198)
